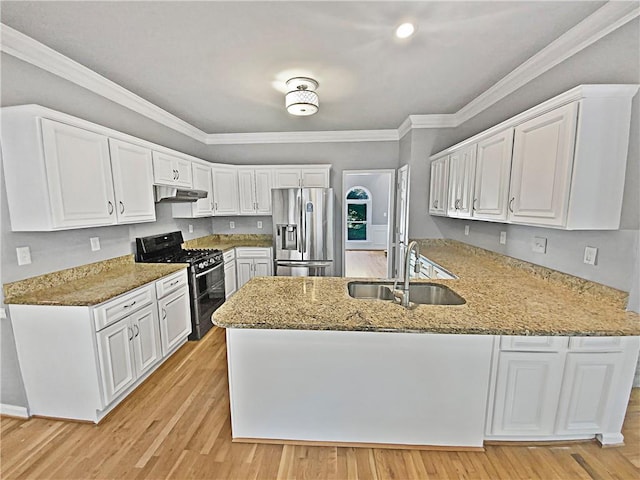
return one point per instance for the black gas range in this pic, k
(205, 273)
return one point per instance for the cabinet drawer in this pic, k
(171, 283)
(532, 344)
(250, 252)
(595, 344)
(121, 306)
(229, 255)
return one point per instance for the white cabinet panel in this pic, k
(302, 177)
(493, 169)
(230, 280)
(526, 395)
(263, 184)
(587, 391)
(261, 268)
(203, 180)
(595, 344)
(462, 169)
(533, 343)
(315, 177)
(175, 319)
(541, 168)
(132, 170)
(246, 186)
(79, 176)
(116, 359)
(225, 190)
(146, 339)
(439, 185)
(244, 270)
(171, 170)
(287, 177)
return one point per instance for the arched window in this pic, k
(358, 205)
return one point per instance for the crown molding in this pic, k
(603, 21)
(600, 23)
(31, 51)
(389, 135)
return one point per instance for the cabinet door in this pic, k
(263, 185)
(164, 171)
(225, 191)
(246, 188)
(203, 180)
(590, 379)
(493, 170)
(541, 170)
(287, 177)
(230, 284)
(183, 172)
(455, 173)
(116, 359)
(261, 268)
(132, 182)
(527, 392)
(314, 177)
(79, 176)
(146, 339)
(439, 186)
(175, 319)
(465, 182)
(244, 270)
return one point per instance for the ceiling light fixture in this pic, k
(301, 99)
(405, 30)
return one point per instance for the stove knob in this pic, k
(201, 265)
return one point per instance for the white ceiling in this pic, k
(214, 64)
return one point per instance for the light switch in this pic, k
(539, 245)
(95, 244)
(24, 255)
(3, 313)
(590, 254)
(232, 225)
(190, 228)
(503, 238)
(259, 223)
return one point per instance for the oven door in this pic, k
(206, 296)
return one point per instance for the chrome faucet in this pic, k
(403, 295)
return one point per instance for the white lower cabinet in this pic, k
(252, 262)
(560, 388)
(230, 279)
(128, 349)
(96, 355)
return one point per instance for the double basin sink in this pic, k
(420, 293)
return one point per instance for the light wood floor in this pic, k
(365, 263)
(176, 425)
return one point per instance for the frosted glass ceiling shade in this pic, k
(301, 100)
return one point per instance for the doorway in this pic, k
(367, 223)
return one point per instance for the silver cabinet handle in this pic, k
(215, 205)
(130, 304)
(130, 331)
(511, 204)
(110, 207)
(164, 314)
(474, 204)
(175, 282)
(137, 330)
(178, 174)
(435, 204)
(121, 206)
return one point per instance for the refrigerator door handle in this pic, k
(285, 263)
(299, 210)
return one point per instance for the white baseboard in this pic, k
(14, 410)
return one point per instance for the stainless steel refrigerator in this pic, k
(302, 231)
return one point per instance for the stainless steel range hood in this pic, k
(175, 195)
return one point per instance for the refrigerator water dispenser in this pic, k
(288, 237)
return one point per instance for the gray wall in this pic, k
(617, 250)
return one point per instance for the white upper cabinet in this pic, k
(493, 167)
(225, 190)
(541, 167)
(132, 182)
(202, 179)
(311, 176)
(560, 164)
(171, 170)
(255, 190)
(439, 186)
(462, 165)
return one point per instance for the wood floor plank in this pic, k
(176, 425)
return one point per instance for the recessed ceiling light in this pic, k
(405, 30)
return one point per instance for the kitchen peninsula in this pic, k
(533, 354)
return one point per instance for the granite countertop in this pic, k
(227, 242)
(91, 289)
(503, 296)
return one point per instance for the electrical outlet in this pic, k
(3, 313)
(503, 238)
(539, 245)
(24, 255)
(190, 228)
(466, 229)
(259, 223)
(95, 243)
(232, 225)
(590, 254)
